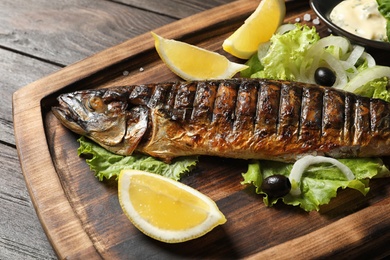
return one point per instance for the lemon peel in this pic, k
(165, 209)
(257, 28)
(194, 63)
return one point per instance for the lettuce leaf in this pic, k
(285, 54)
(107, 165)
(254, 65)
(384, 9)
(377, 88)
(319, 183)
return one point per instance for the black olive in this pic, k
(324, 77)
(276, 186)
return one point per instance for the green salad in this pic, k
(107, 165)
(294, 53)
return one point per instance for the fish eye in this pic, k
(95, 104)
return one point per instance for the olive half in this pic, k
(276, 186)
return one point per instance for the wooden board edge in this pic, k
(39, 172)
(369, 222)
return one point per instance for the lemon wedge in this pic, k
(165, 209)
(257, 28)
(193, 63)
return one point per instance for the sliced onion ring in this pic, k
(331, 40)
(366, 76)
(336, 65)
(370, 60)
(316, 54)
(262, 50)
(300, 166)
(285, 28)
(354, 56)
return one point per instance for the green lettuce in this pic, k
(107, 165)
(285, 54)
(377, 88)
(384, 9)
(319, 183)
(254, 65)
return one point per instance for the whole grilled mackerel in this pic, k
(236, 118)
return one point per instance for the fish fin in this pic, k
(136, 128)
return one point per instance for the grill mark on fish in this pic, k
(204, 102)
(290, 109)
(348, 119)
(224, 106)
(158, 95)
(333, 115)
(140, 95)
(219, 136)
(267, 109)
(183, 101)
(245, 107)
(380, 119)
(362, 121)
(311, 116)
(170, 100)
(239, 118)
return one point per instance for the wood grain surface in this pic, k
(38, 38)
(81, 216)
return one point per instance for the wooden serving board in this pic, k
(82, 217)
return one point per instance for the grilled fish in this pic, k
(236, 118)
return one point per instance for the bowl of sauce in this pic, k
(357, 20)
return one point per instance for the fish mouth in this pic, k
(70, 112)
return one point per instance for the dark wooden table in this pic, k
(38, 38)
(41, 37)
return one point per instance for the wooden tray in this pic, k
(82, 217)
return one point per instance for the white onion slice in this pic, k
(351, 72)
(317, 52)
(331, 40)
(370, 60)
(285, 28)
(300, 166)
(366, 76)
(262, 50)
(354, 56)
(337, 66)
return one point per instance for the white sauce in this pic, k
(360, 17)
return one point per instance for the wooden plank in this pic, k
(367, 230)
(91, 218)
(176, 8)
(17, 71)
(18, 221)
(67, 31)
(69, 238)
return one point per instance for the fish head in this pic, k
(94, 114)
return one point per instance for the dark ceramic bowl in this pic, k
(323, 9)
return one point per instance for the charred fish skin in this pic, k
(237, 118)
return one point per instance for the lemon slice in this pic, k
(165, 209)
(257, 28)
(193, 63)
